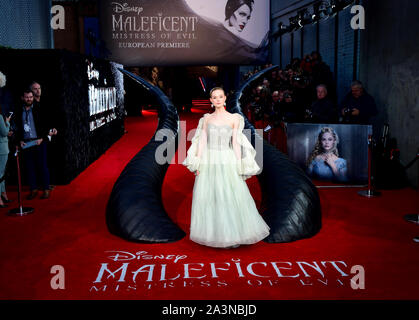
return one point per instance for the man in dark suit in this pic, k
(37, 93)
(33, 129)
(323, 109)
(358, 106)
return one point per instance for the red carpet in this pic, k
(69, 230)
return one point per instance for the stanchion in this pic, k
(20, 211)
(370, 192)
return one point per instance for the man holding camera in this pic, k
(32, 134)
(358, 106)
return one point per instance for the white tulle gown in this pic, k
(224, 213)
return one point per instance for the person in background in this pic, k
(4, 147)
(257, 108)
(37, 93)
(4, 155)
(267, 85)
(273, 110)
(306, 64)
(321, 74)
(358, 106)
(290, 110)
(322, 110)
(33, 128)
(274, 118)
(6, 101)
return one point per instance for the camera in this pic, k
(308, 113)
(347, 111)
(287, 95)
(300, 79)
(257, 112)
(257, 109)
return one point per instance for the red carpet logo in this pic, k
(127, 256)
(128, 271)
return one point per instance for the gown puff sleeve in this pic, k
(192, 161)
(247, 165)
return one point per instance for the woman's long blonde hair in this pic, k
(318, 149)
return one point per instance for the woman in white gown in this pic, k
(224, 213)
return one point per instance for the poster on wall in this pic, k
(180, 32)
(336, 153)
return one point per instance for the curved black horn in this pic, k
(291, 202)
(135, 210)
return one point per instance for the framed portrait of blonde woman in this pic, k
(331, 153)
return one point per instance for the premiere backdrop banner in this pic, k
(178, 32)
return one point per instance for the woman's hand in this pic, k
(197, 172)
(8, 118)
(330, 161)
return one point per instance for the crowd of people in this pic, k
(305, 91)
(25, 126)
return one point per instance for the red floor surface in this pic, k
(69, 230)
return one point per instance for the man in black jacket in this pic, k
(323, 110)
(51, 152)
(33, 129)
(358, 106)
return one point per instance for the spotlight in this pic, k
(282, 29)
(304, 17)
(294, 25)
(319, 11)
(339, 5)
(343, 4)
(281, 26)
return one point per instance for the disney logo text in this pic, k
(125, 8)
(126, 256)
